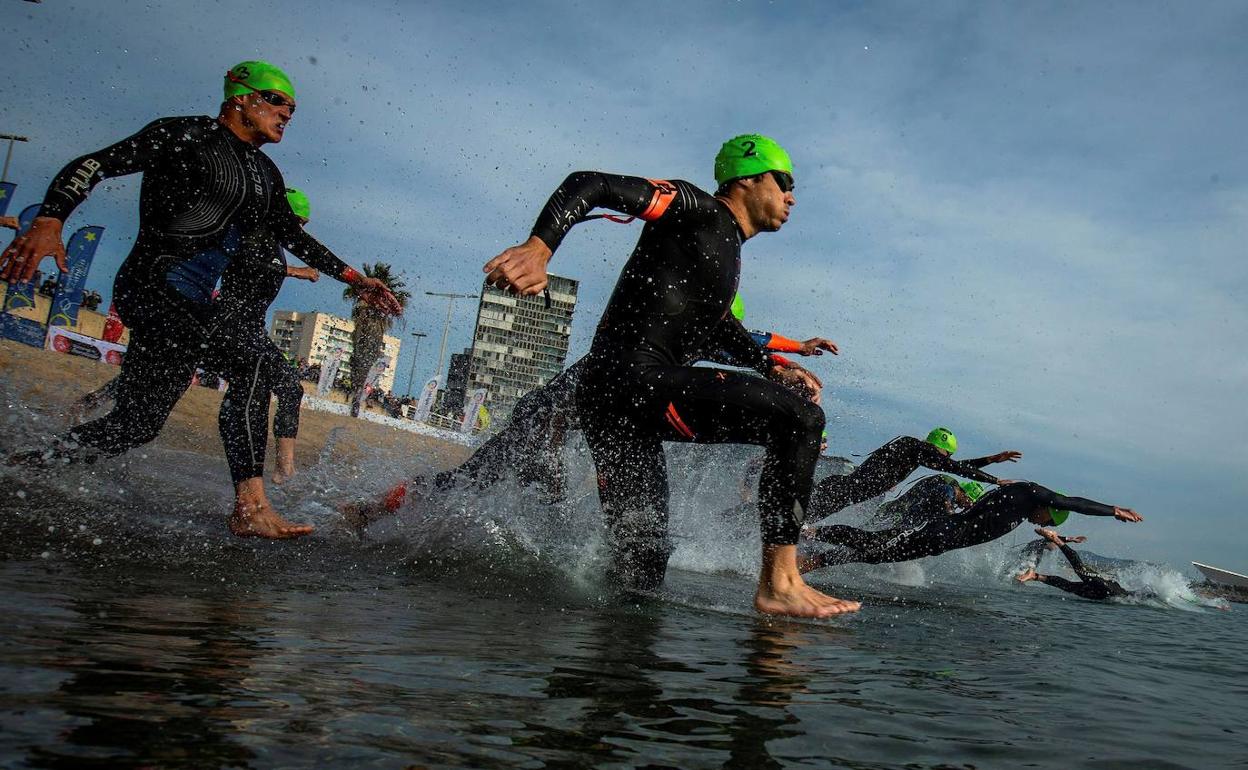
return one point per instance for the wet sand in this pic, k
(54, 380)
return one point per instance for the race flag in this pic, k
(6, 195)
(425, 405)
(329, 371)
(79, 252)
(22, 295)
(374, 376)
(471, 410)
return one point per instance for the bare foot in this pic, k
(364, 512)
(781, 590)
(285, 465)
(1027, 575)
(254, 516)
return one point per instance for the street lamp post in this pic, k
(8, 155)
(450, 304)
(412, 372)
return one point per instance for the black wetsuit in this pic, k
(995, 514)
(531, 443)
(884, 469)
(931, 497)
(1090, 585)
(241, 351)
(671, 301)
(203, 190)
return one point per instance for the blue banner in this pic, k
(6, 195)
(23, 330)
(22, 295)
(68, 297)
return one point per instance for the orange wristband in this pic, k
(778, 342)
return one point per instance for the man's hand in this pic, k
(1049, 535)
(816, 345)
(20, 260)
(521, 269)
(10, 222)
(797, 379)
(1076, 540)
(375, 292)
(1009, 456)
(1126, 514)
(304, 273)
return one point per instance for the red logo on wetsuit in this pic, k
(664, 194)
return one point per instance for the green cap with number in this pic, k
(251, 76)
(749, 155)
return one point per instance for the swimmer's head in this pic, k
(943, 439)
(251, 77)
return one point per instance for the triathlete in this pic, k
(889, 465)
(672, 300)
(1090, 585)
(531, 444)
(249, 360)
(995, 514)
(248, 286)
(205, 186)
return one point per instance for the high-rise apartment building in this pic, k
(519, 343)
(311, 336)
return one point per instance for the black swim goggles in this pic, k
(270, 97)
(784, 180)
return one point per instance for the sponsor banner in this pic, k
(372, 378)
(22, 295)
(78, 253)
(6, 195)
(329, 371)
(23, 330)
(74, 344)
(472, 410)
(425, 405)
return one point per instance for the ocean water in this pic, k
(474, 631)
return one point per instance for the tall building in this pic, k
(519, 343)
(311, 336)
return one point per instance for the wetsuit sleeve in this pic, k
(930, 457)
(647, 199)
(71, 186)
(734, 346)
(289, 232)
(1050, 499)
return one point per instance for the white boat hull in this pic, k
(1223, 577)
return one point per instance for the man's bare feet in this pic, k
(781, 590)
(254, 516)
(1027, 575)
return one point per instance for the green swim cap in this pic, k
(738, 308)
(973, 489)
(748, 155)
(299, 203)
(260, 75)
(1059, 517)
(943, 438)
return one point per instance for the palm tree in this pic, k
(371, 324)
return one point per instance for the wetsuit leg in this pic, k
(632, 486)
(244, 416)
(288, 389)
(166, 344)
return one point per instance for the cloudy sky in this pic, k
(1021, 220)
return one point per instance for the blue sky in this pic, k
(1021, 220)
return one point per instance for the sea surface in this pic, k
(475, 631)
